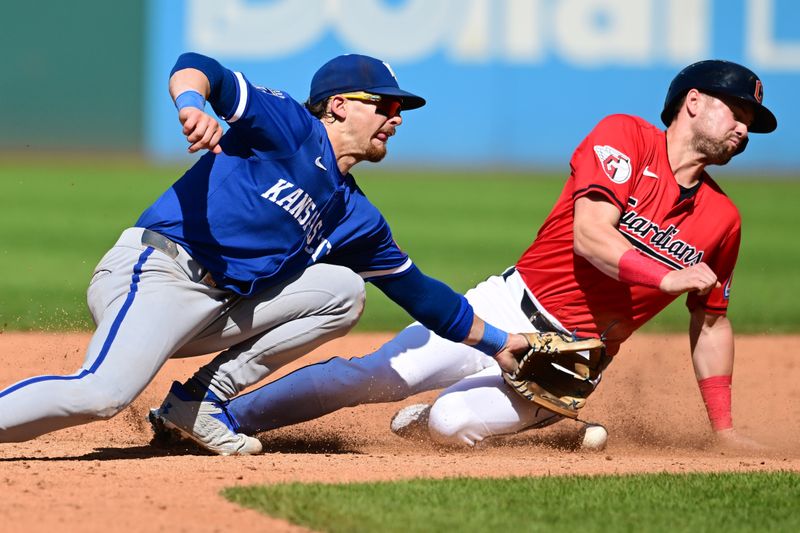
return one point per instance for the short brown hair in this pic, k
(320, 109)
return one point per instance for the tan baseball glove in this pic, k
(559, 371)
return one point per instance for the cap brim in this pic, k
(410, 100)
(764, 121)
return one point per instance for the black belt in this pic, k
(537, 318)
(170, 248)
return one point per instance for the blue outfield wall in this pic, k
(511, 83)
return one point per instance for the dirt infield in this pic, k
(106, 477)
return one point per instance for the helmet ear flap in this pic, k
(742, 146)
(670, 110)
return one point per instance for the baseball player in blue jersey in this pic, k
(260, 251)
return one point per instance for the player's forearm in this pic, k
(601, 245)
(189, 79)
(440, 309)
(431, 302)
(195, 72)
(711, 338)
(206, 76)
(504, 347)
(595, 234)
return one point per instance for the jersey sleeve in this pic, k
(377, 257)
(608, 160)
(435, 305)
(364, 242)
(716, 301)
(264, 119)
(387, 259)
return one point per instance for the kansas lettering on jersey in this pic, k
(273, 202)
(624, 160)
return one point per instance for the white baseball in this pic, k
(594, 438)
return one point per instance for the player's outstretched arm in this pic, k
(711, 338)
(448, 314)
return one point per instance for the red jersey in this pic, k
(624, 159)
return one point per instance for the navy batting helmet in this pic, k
(725, 78)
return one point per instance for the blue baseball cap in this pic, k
(354, 72)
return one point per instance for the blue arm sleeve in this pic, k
(435, 305)
(223, 83)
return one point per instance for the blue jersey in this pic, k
(273, 202)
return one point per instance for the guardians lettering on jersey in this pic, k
(617, 166)
(304, 210)
(633, 225)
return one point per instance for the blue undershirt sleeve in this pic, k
(223, 83)
(429, 301)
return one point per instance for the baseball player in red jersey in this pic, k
(639, 222)
(622, 176)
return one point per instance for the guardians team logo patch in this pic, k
(616, 165)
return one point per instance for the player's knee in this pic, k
(340, 295)
(351, 295)
(452, 426)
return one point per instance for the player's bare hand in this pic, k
(201, 130)
(731, 440)
(515, 347)
(696, 278)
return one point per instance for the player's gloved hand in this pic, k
(558, 371)
(201, 130)
(697, 277)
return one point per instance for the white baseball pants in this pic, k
(474, 405)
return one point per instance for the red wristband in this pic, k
(638, 269)
(716, 392)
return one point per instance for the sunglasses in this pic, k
(385, 105)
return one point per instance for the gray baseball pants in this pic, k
(152, 301)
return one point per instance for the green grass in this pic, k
(647, 503)
(60, 217)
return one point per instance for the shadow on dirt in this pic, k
(114, 454)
